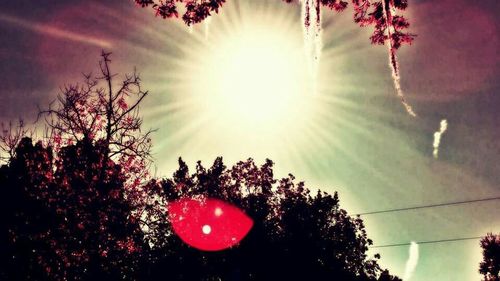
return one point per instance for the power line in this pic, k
(424, 207)
(429, 206)
(427, 242)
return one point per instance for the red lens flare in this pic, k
(208, 224)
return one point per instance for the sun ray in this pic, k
(197, 124)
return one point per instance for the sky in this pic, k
(350, 134)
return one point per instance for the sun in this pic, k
(243, 87)
(253, 79)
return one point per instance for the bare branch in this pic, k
(91, 110)
(10, 136)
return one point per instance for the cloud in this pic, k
(437, 137)
(412, 262)
(54, 31)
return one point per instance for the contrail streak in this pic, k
(207, 27)
(437, 137)
(54, 31)
(412, 262)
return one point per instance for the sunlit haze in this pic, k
(253, 79)
(240, 86)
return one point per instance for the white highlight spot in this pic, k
(412, 262)
(218, 212)
(206, 229)
(437, 137)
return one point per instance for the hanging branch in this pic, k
(394, 39)
(388, 31)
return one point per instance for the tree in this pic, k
(21, 213)
(68, 203)
(62, 219)
(490, 266)
(93, 111)
(295, 236)
(10, 136)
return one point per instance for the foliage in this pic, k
(66, 218)
(366, 13)
(296, 236)
(63, 219)
(68, 202)
(382, 14)
(490, 266)
(196, 11)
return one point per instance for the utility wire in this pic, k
(427, 242)
(424, 207)
(429, 206)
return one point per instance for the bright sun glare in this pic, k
(255, 79)
(242, 89)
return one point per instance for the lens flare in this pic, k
(208, 224)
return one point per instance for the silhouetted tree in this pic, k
(10, 136)
(62, 219)
(104, 109)
(490, 266)
(24, 219)
(68, 203)
(296, 236)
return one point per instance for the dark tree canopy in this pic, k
(64, 218)
(490, 266)
(68, 202)
(296, 235)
